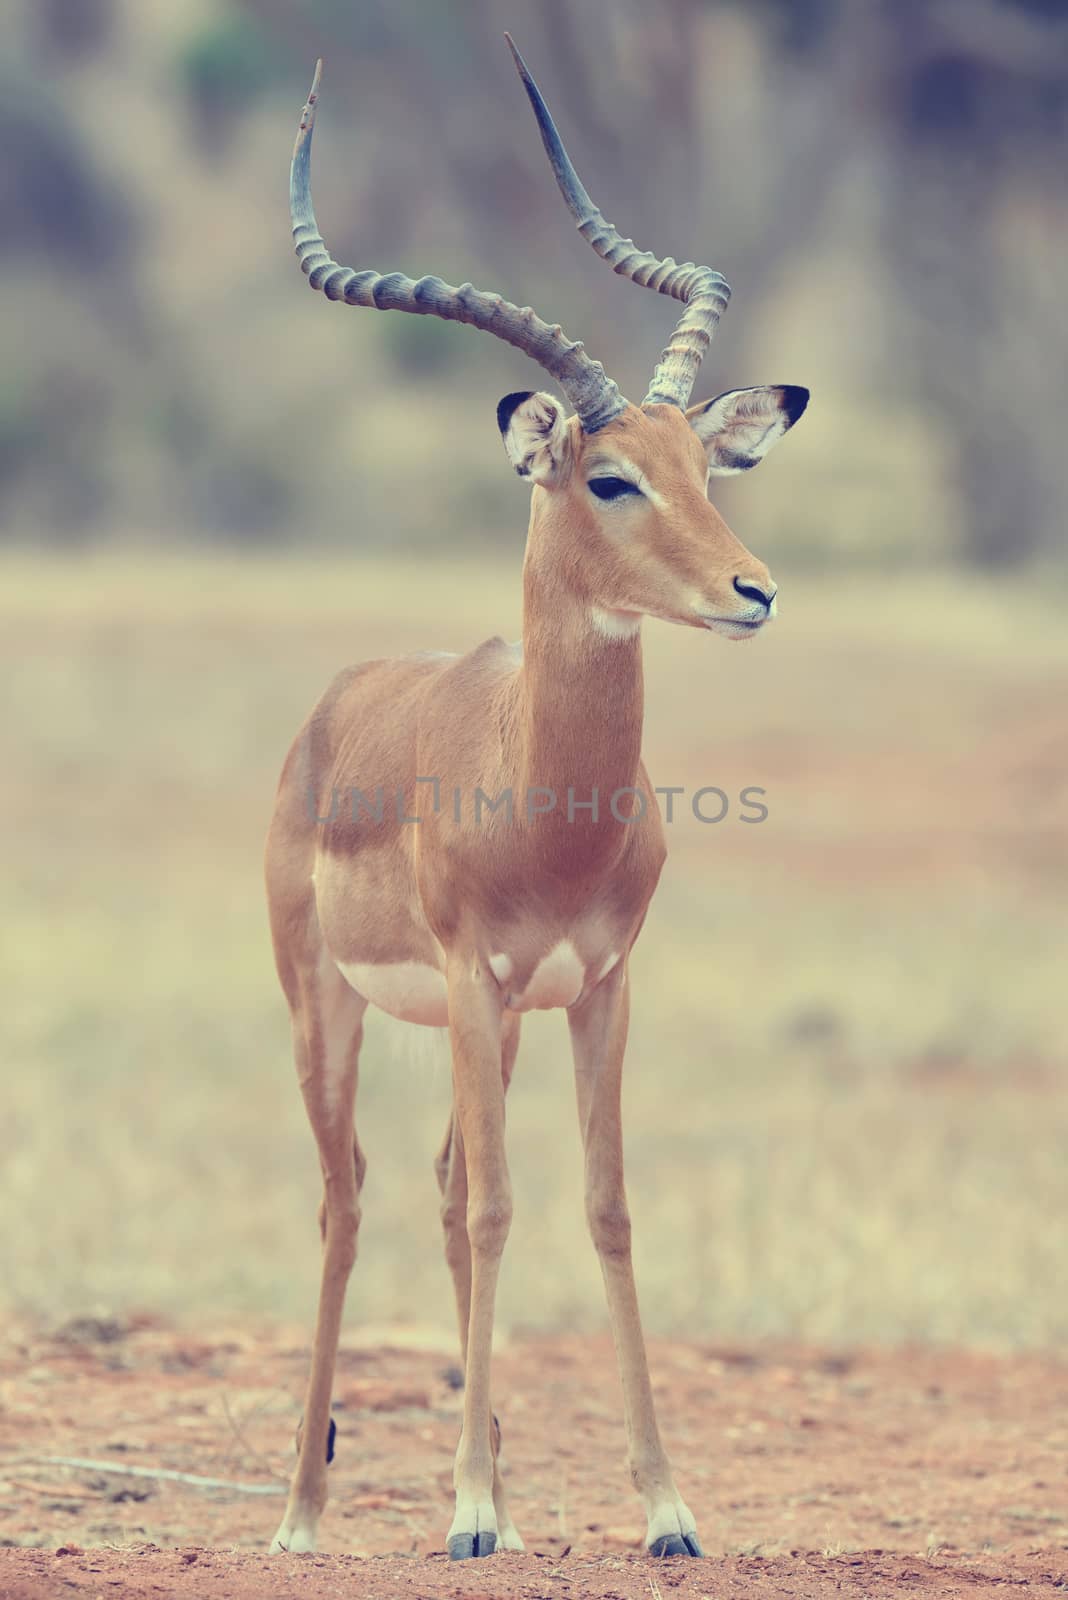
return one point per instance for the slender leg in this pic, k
(475, 1026)
(598, 1040)
(327, 1031)
(451, 1169)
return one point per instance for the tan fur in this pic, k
(564, 712)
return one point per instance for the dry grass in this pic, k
(847, 1108)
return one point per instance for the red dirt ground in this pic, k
(873, 1474)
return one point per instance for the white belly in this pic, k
(412, 991)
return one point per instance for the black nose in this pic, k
(751, 592)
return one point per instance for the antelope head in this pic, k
(620, 491)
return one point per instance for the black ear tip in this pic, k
(507, 408)
(794, 401)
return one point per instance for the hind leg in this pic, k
(327, 1032)
(451, 1169)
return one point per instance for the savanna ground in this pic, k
(875, 1473)
(846, 1106)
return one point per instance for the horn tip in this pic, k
(307, 114)
(520, 64)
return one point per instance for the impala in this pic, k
(449, 922)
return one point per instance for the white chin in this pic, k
(733, 630)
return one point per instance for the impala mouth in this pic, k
(735, 627)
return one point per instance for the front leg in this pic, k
(598, 1041)
(451, 1169)
(475, 1012)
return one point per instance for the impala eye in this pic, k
(612, 488)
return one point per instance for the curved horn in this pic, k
(584, 381)
(704, 292)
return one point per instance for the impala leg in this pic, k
(598, 1040)
(451, 1169)
(327, 1031)
(475, 1026)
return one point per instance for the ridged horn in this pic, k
(705, 293)
(584, 381)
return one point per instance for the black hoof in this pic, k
(676, 1544)
(462, 1546)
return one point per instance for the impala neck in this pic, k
(582, 699)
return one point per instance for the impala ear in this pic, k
(534, 430)
(738, 429)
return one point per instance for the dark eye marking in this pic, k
(612, 488)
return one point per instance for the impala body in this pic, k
(417, 863)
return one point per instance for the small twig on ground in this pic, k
(167, 1473)
(55, 1491)
(237, 1429)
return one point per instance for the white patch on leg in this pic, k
(670, 1517)
(473, 1516)
(507, 1532)
(501, 967)
(296, 1535)
(607, 965)
(556, 981)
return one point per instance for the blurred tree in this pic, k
(238, 492)
(72, 29)
(53, 425)
(976, 102)
(223, 66)
(800, 26)
(73, 225)
(911, 148)
(66, 207)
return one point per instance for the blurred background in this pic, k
(846, 1102)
